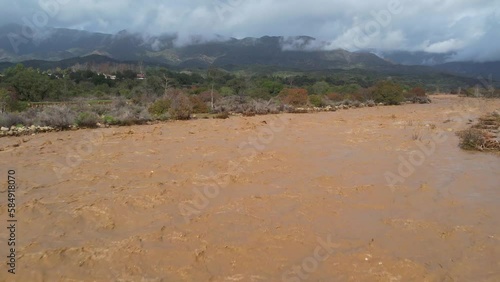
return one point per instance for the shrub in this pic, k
(335, 97)
(160, 107)
(87, 119)
(417, 95)
(356, 104)
(316, 100)
(60, 117)
(181, 107)
(30, 116)
(421, 100)
(206, 96)
(222, 115)
(199, 106)
(119, 103)
(472, 139)
(417, 92)
(249, 113)
(365, 94)
(130, 115)
(109, 120)
(100, 109)
(125, 116)
(482, 136)
(11, 119)
(237, 104)
(389, 93)
(294, 96)
(370, 103)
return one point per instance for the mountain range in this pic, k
(296, 53)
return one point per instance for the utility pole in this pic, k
(211, 73)
(166, 84)
(212, 96)
(140, 67)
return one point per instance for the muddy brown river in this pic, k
(371, 194)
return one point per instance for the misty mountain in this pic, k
(301, 53)
(58, 44)
(487, 70)
(415, 58)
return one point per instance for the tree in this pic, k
(4, 100)
(226, 91)
(155, 85)
(272, 87)
(321, 88)
(238, 84)
(388, 92)
(214, 77)
(29, 84)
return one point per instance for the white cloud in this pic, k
(443, 46)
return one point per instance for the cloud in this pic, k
(443, 46)
(468, 27)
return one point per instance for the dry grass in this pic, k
(416, 136)
(484, 136)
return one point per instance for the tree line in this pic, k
(20, 85)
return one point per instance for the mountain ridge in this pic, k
(300, 52)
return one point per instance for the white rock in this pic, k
(4, 129)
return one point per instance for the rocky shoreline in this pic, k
(25, 130)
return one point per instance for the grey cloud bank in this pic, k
(470, 29)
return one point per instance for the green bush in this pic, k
(316, 100)
(160, 107)
(389, 93)
(87, 119)
(109, 120)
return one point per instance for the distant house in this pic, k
(109, 76)
(141, 76)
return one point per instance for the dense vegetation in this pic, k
(123, 94)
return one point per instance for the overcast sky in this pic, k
(469, 27)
